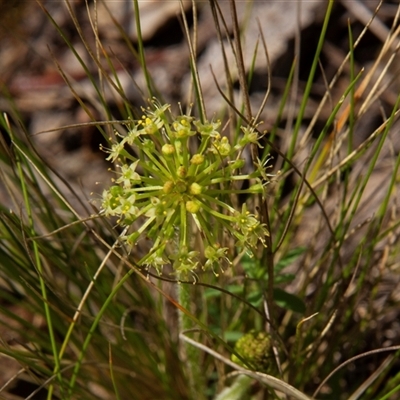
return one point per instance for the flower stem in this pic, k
(190, 354)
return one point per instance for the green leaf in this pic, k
(289, 301)
(255, 298)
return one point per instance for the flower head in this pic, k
(256, 349)
(182, 182)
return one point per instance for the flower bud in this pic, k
(195, 188)
(192, 206)
(168, 187)
(181, 172)
(168, 149)
(181, 187)
(197, 159)
(256, 348)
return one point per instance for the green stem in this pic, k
(191, 355)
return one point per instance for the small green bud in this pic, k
(181, 171)
(197, 159)
(195, 189)
(168, 187)
(181, 187)
(192, 206)
(168, 149)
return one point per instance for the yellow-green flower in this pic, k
(176, 175)
(255, 348)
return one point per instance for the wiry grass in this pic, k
(83, 320)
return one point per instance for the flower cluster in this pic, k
(255, 348)
(177, 175)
